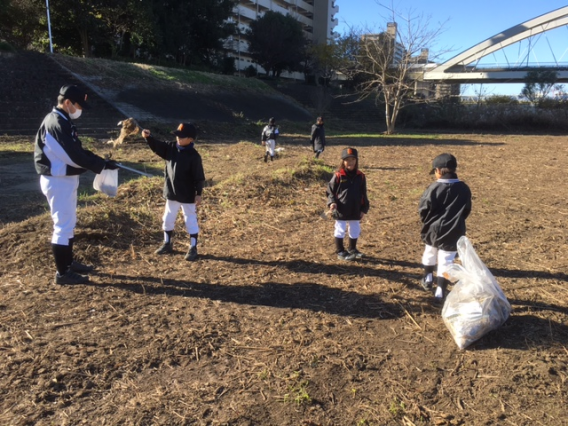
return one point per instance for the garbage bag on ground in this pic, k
(476, 305)
(107, 182)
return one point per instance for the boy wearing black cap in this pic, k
(183, 185)
(60, 158)
(443, 208)
(268, 138)
(348, 203)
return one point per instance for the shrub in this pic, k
(250, 71)
(6, 47)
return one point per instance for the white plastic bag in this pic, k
(476, 305)
(107, 182)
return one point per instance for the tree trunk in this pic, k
(85, 42)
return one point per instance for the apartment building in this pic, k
(316, 16)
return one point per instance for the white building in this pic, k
(316, 16)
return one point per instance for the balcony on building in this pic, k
(304, 8)
(247, 13)
(334, 9)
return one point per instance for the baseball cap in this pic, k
(75, 95)
(186, 130)
(348, 152)
(447, 161)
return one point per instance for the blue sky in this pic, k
(467, 23)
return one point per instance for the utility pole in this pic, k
(49, 26)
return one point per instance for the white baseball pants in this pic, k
(270, 144)
(61, 194)
(189, 216)
(442, 258)
(342, 225)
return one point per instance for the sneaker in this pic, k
(356, 254)
(343, 255)
(191, 254)
(165, 248)
(426, 284)
(70, 277)
(80, 267)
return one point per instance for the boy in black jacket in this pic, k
(348, 203)
(183, 186)
(443, 208)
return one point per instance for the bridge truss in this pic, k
(465, 67)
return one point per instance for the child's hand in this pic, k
(197, 200)
(146, 133)
(263, 143)
(332, 207)
(362, 215)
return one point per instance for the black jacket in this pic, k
(270, 132)
(58, 150)
(318, 137)
(349, 192)
(183, 172)
(443, 208)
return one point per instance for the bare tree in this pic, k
(390, 62)
(538, 85)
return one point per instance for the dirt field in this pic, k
(268, 327)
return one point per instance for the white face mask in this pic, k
(76, 114)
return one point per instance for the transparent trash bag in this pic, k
(107, 182)
(476, 305)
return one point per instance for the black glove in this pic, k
(111, 165)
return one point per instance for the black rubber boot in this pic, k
(353, 252)
(65, 275)
(266, 157)
(192, 252)
(339, 245)
(63, 257)
(428, 278)
(442, 284)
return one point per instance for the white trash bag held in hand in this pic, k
(107, 182)
(476, 305)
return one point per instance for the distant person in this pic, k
(60, 158)
(444, 206)
(318, 137)
(268, 139)
(348, 203)
(183, 184)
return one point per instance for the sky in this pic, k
(467, 23)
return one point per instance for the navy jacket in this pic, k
(183, 172)
(318, 137)
(349, 192)
(443, 209)
(58, 150)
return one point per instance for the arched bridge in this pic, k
(465, 67)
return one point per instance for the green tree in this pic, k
(538, 84)
(277, 43)
(21, 21)
(193, 31)
(325, 60)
